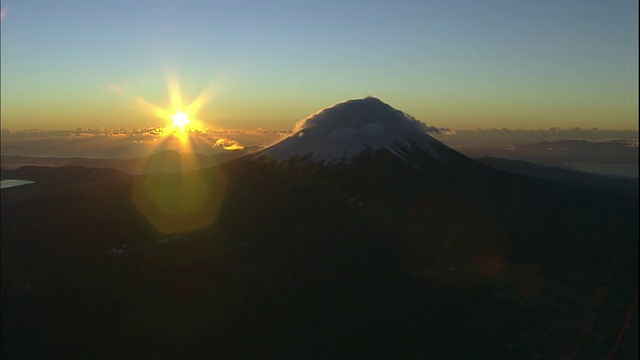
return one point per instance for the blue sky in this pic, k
(457, 64)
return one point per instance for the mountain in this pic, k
(612, 157)
(398, 247)
(163, 162)
(366, 152)
(346, 131)
(560, 174)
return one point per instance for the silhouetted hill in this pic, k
(383, 261)
(164, 162)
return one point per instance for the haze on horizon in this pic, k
(458, 65)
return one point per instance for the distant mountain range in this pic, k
(359, 237)
(163, 162)
(606, 158)
(614, 158)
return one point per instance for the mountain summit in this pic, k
(345, 131)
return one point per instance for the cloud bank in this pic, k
(125, 144)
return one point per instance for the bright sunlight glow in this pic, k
(180, 120)
(180, 117)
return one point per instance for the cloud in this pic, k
(439, 130)
(121, 88)
(117, 89)
(128, 143)
(557, 133)
(369, 116)
(505, 137)
(228, 144)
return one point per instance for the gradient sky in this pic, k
(457, 64)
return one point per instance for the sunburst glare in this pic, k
(181, 119)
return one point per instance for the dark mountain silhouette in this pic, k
(396, 248)
(164, 162)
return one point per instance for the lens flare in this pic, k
(185, 201)
(177, 203)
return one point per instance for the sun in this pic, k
(180, 120)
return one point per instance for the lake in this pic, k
(13, 183)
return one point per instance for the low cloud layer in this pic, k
(122, 143)
(125, 144)
(507, 137)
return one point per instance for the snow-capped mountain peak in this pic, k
(344, 131)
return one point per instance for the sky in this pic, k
(267, 64)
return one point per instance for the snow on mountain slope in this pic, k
(342, 132)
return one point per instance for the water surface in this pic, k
(14, 182)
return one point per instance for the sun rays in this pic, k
(180, 120)
(188, 200)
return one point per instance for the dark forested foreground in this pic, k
(287, 260)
